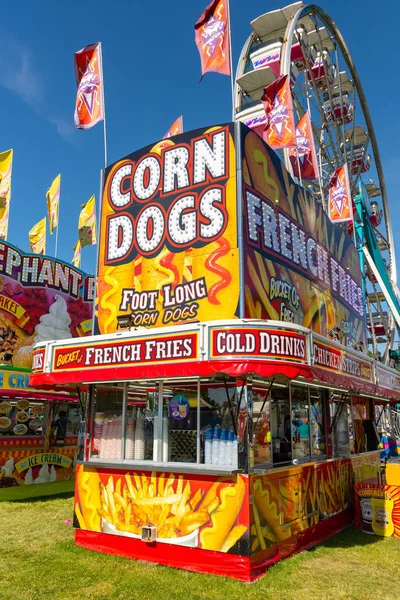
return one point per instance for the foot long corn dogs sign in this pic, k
(168, 244)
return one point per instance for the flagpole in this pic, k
(56, 245)
(298, 165)
(230, 60)
(104, 108)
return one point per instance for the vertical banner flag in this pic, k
(87, 223)
(304, 156)
(76, 259)
(53, 200)
(175, 129)
(5, 190)
(280, 130)
(340, 202)
(89, 108)
(37, 237)
(212, 38)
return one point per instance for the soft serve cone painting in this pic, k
(50, 300)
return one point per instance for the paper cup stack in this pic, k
(130, 440)
(98, 430)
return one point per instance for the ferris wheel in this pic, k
(303, 42)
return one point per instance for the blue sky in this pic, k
(151, 71)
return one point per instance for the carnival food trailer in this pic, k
(226, 423)
(41, 298)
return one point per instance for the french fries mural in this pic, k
(298, 266)
(288, 503)
(168, 239)
(211, 515)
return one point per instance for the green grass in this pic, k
(38, 560)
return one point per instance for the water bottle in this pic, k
(222, 447)
(229, 448)
(215, 444)
(234, 462)
(208, 442)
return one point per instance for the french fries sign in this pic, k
(298, 266)
(196, 512)
(135, 351)
(168, 239)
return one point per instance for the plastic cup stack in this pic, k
(139, 437)
(130, 440)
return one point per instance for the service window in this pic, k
(301, 422)
(107, 421)
(317, 422)
(22, 418)
(221, 421)
(281, 425)
(262, 425)
(171, 421)
(342, 424)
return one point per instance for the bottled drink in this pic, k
(234, 462)
(229, 448)
(222, 447)
(215, 444)
(208, 442)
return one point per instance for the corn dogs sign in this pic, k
(168, 243)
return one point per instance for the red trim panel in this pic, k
(38, 395)
(200, 368)
(309, 538)
(215, 563)
(191, 559)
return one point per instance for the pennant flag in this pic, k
(76, 259)
(89, 108)
(87, 223)
(212, 37)
(280, 130)
(175, 129)
(5, 190)
(304, 155)
(37, 237)
(340, 203)
(53, 200)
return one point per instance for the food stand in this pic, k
(41, 298)
(221, 412)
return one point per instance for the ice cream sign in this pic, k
(44, 458)
(41, 299)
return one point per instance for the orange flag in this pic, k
(304, 155)
(340, 203)
(280, 131)
(175, 129)
(212, 38)
(89, 108)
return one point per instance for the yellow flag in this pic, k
(53, 200)
(37, 237)
(5, 190)
(87, 223)
(76, 259)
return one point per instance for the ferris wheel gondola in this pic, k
(304, 43)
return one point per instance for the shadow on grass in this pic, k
(348, 538)
(61, 496)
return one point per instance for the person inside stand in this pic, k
(61, 425)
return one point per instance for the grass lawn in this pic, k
(38, 559)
